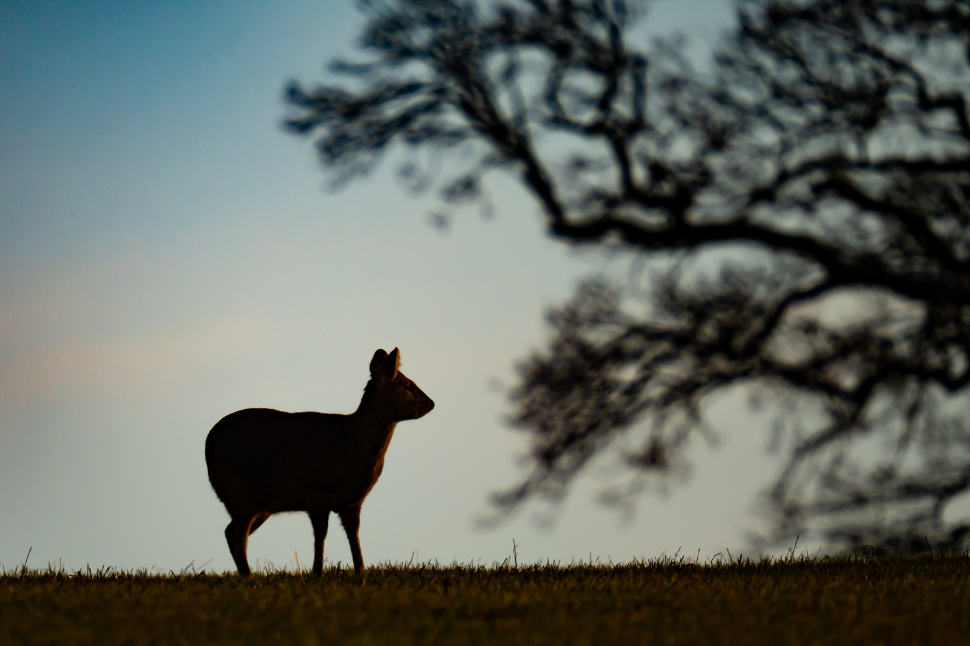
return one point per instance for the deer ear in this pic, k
(377, 362)
(391, 364)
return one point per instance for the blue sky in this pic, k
(169, 255)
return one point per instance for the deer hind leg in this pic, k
(350, 518)
(260, 519)
(320, 521)
(237, 535)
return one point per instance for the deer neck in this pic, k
(374, 429)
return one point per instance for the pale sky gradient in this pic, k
(168, 255)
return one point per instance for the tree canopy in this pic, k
(802, 210)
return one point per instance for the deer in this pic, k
(263, 461)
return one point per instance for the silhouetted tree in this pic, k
(802, 212)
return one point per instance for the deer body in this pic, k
(262, 461)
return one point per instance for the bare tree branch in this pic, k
(823, 165)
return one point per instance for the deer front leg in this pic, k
(350, 518)
(320, 521)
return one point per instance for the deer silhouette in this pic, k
(262, 461)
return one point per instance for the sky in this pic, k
(169, 255)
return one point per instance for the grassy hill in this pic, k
(898, 600)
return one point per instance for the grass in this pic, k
(842, 600)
